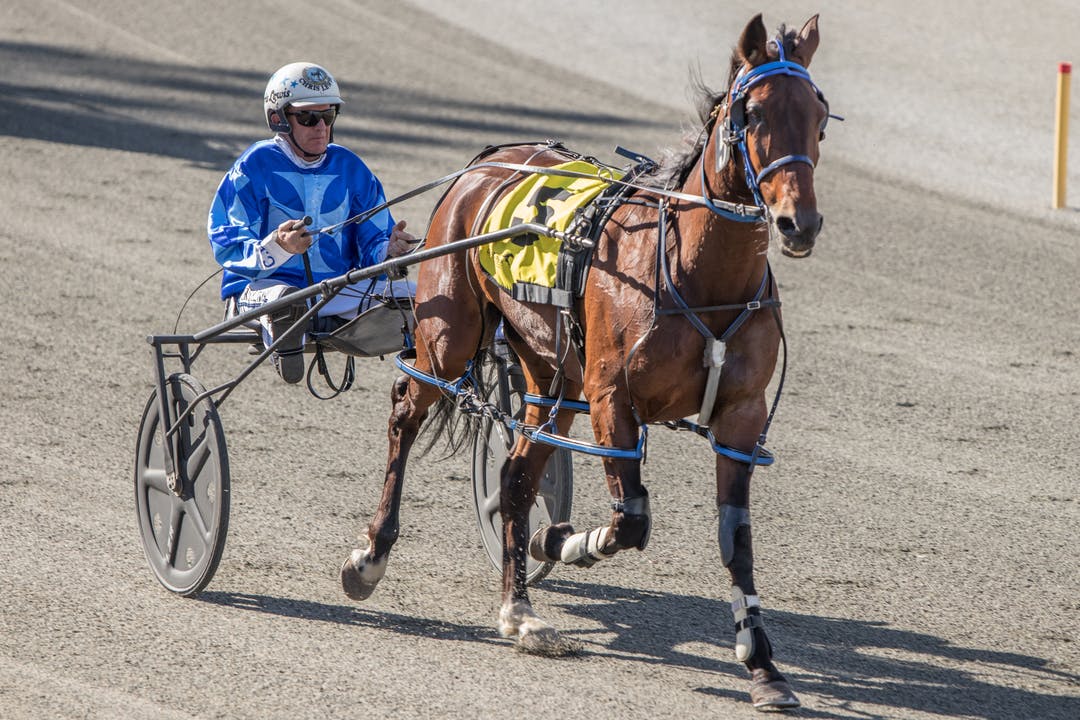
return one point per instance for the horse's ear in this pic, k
(806, 43)
(752, 43)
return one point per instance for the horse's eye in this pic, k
(821, 136)
(754, 114)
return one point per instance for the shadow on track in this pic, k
(207, 116)
(844, 661)
(841, 661)
(353, 615)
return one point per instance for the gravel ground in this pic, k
(916, 542)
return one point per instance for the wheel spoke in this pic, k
(191, 510)
(175, 517)
(155, 479)
(506, 435)
(547, 487)
(491, 504)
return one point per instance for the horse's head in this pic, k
(772, 121)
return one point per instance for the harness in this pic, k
(731, 137)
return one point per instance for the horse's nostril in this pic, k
(786, 225)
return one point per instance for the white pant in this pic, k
(352, 299)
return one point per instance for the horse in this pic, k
(641, 362)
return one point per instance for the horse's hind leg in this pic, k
(364, 568)
(520, 479)
(456, 314)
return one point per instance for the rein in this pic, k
(733, 135)
(750, 213)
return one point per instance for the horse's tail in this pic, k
(448, 427)
(446, 423)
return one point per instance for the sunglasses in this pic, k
(311, 118)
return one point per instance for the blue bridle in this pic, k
(733, 133)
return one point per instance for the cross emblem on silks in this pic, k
(544, 211)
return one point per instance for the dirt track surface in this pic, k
(916, 543)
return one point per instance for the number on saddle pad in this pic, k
(528, 265)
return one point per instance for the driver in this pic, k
(255, 224)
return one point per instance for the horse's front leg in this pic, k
(631, 520)
(769, 690)
(364, 568)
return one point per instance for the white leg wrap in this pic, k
(744, 622)
(583, 548)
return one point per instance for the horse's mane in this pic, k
(676, 166)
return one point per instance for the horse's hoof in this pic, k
(360, 575)
(771, 695)
(513, 615)
(531, 633)
(543, 640)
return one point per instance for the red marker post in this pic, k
(1061, 134)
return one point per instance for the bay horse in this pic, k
(639, 364)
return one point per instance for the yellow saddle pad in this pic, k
(551, 200)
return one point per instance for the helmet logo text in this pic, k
(276, 96)
(315, 78)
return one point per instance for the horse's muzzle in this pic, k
(798, 233)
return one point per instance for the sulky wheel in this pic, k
(492, 445)
(183, 534)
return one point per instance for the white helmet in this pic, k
(300, 84)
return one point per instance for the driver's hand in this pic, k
(293, 236)
(401, 241)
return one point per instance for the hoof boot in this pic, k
(546, 543)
